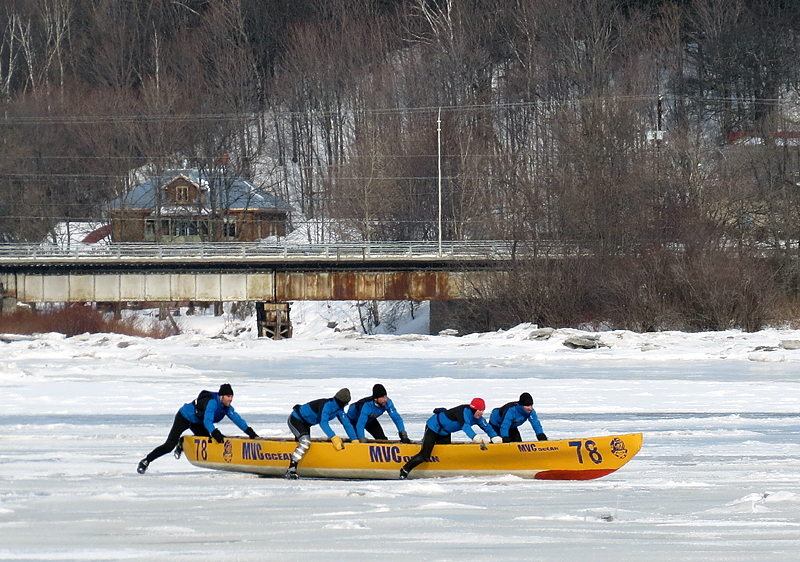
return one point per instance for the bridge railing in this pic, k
(478, 249)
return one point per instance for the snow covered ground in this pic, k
(717, 477)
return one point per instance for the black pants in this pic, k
(513, 434)
(298, 427)
(430, 439)
(180, 425)
(375, 429)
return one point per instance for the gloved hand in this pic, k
(478, 439)
(251, 433)
(355, 441)
(337, 443)
(217, 436)
(404, 437)
(497, 439)
(541, 437)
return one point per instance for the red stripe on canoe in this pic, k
(573, 474)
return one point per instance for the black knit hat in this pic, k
(525, 399)
(225, 390)
(343, 395)
(378, 391)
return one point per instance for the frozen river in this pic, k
(716, 479)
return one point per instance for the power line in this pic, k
(432, 110)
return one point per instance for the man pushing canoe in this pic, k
(321, 412)
(443, 423)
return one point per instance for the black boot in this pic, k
(291, 472)
(404, 473)
(143, 464)
(178, 449)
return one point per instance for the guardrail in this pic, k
(454, 250)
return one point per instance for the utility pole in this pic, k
(439, 153)
(659, 136)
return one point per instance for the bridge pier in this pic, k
(273, 320)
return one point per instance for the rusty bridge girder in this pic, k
(268, 286)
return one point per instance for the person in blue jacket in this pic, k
(443, 423)
(506, 419)
(200, 415)
(364, 415)
(321, 412)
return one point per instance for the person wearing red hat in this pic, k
(506, 419)
(443, 423)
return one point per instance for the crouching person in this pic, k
(199, 415)
(321, 412)
(443, 423)
(364, 415)
(506, 419)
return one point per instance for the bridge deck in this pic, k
(20, 254)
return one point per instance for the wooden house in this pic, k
(191, 206)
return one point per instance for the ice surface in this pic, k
(716, 479)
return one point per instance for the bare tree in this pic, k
(11, 47)
(42, 35)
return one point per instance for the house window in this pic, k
(229, 228)
(182, 194)
(150, 227)
(184, 227)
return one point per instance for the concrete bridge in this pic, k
(247, 271)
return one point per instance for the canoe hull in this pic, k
(568, 459)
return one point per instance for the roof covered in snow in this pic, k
(232, 192)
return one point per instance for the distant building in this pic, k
(780, 138)
(188, 206)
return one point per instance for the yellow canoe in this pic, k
(568, 459)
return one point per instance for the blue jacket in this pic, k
(214, 413)
(323, 411)
(515, 415)
(460, 418)
(361, 412)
